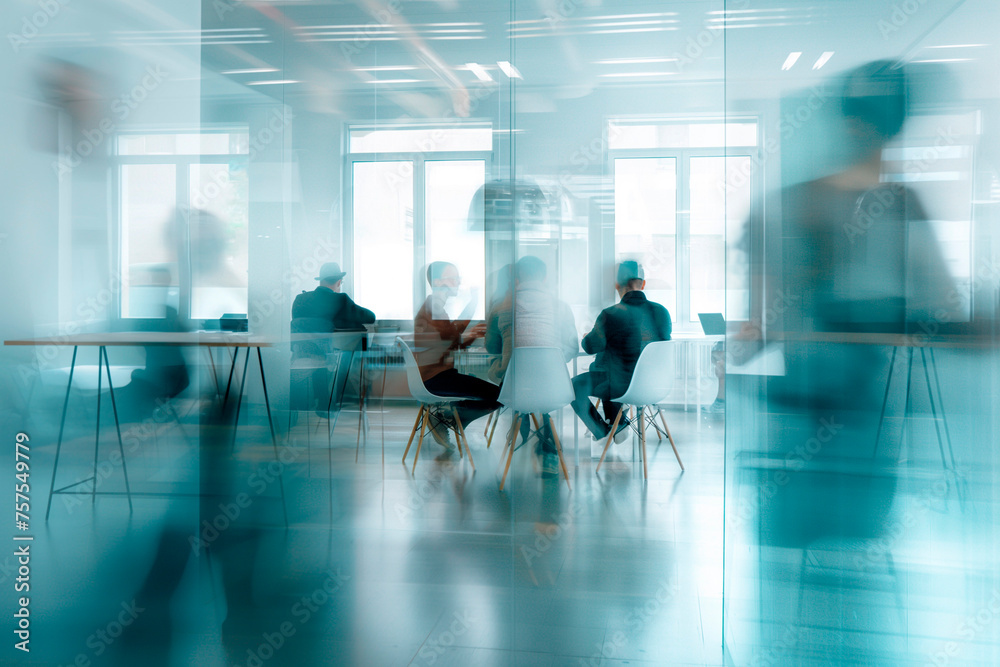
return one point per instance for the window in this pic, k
(679, 188)
(195, 263)
(409, 206)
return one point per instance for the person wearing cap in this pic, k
(324, 310)
(327, 308)
(617, 339)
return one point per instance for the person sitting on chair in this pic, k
(531, 317)
(436, 336)
(324, 310)
(617, 340)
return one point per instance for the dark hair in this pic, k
(877, 94)
(435, 269)
(530, 267)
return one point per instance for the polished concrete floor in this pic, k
(378, 566)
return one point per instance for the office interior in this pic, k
(839, 507)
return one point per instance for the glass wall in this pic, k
(861, 521)
(821, 176)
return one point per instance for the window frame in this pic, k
(419, 160)
(682, 156)
(182, 166)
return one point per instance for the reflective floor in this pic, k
(438, 567)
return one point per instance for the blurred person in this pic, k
(858, 257)
(325, 309)
(436, 336)
(531, 317)
(164, 374)
(617, 339)
(181, 541)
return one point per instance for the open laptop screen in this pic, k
(713, 324)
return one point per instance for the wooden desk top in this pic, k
(152, 338)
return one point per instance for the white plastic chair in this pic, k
(536, 383)
(431, 406)
(650, 384)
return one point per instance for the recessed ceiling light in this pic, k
(479, 71)
(621, 74)
(791, 60)
(253, 70)
(943, 60)
(509, 69)
(387, 68)
(957, 46)
(276, 82)
(823, 59)
(634, 61)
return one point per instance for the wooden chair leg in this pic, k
(510, 454)
(489, 420)
(413, 432)
(642, 440)
(506, 444)
(492, 430)
(420, 440)
(611, 436)
(671, 439)
(460, 436)
(562, 461)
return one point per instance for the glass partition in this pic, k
(861, 383)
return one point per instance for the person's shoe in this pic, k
(550, 465)
(440, 434)
(446, 455)
(718, 407)
(606, 429)
(622, 433)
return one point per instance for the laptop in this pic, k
(713, 324)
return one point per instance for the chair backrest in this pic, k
(413, 380)
(536, 381)
(653, 376)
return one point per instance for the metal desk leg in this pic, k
(885, 401)
(97, 432)
(944, 419)
(232, 367)
(930, 398)
(908, 433)
(62, 426)
(215, 373)
(274, 439)
(362, 400)
(118, 428)
(239, 399)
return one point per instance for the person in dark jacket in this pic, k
(324, 310)
(617, 340)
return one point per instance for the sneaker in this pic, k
(446, 455)
(440, 434)
(718, 407)
(622, 433)
(550, 465)
(605, 429)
